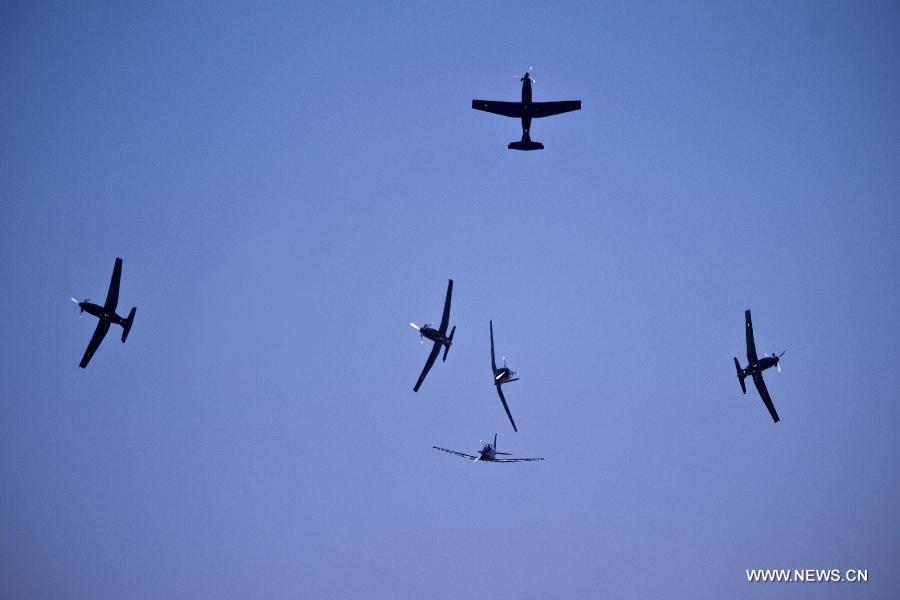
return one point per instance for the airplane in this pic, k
(488, 453)
(526, 110)
(502, 375)
(438, 336)
(756, 366)
(106, 314)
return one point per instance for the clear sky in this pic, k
(290, 184)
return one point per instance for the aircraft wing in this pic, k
(99, 334)
(493, 360)
(516, 459)
(546, 109)
(507, 109)
(428, 363)
(469, 456)
(112, 297)
(506, 407)
(751, 345)
(445, 319)
(764, 393)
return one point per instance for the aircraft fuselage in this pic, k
(504, 375)
(101, 313)
(434, 335)
(766, 362)
(526, 100)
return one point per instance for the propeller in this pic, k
(419, 329)
(778, 364)
(79, 303)
(528, 72)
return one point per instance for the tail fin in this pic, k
(740, 374)
(128, 323)
(449, 343)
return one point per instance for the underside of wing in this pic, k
(506, 407)
(112, 296)
(505, 460)
(99, 334)
(469, 456)
(445, 318)
(751, 345)
(507, 109)
(546, 109)
(428, 363)
(493, 359)
(764, 394)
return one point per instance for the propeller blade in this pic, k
(778, 366)
(74, 300)
(413, 325)
(497, 378)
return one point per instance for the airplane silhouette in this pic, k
(502, 375)
(106, 314)
(756, 366)
(526, 110)
(438, 336)
(488, 453)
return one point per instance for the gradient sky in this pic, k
(290, 184)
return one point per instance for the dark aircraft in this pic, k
(526, 110)
(438, 336)
(106, 314)
(488, 453)
(755, 368)
(502, 375)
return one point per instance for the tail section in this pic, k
(740, 374)
(128, 323)
(449, 343)
(525, 144)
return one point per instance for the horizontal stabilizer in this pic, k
(449, 343)
(740, 374)
(128, 322)
(523, 145)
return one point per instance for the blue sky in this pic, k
(290, 185)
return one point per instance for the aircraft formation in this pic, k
(526, 110)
